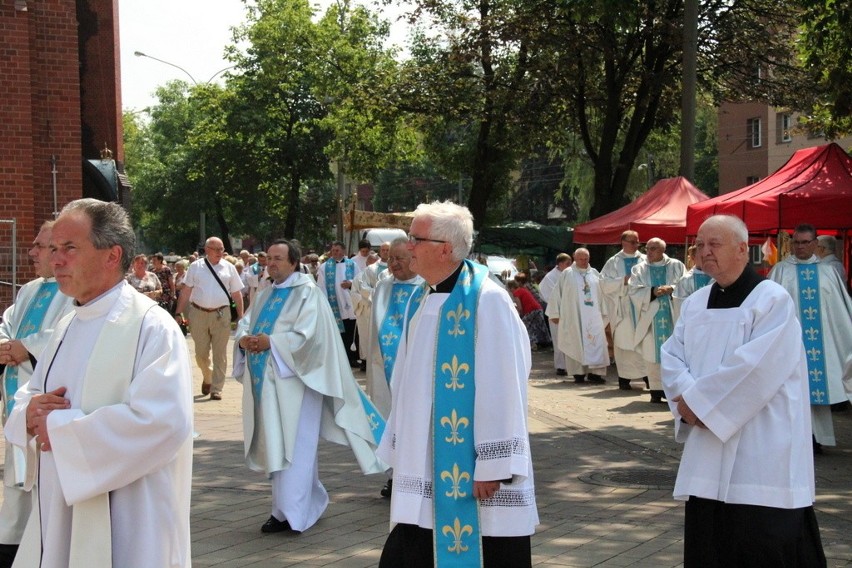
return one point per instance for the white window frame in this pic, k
(755, 132)
(786, 126)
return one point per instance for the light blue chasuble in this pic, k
(811, 315)
(663, 318)
(701, 279)
(265, 323)
(457, 538)
(391, 330)
(30, 324)
(629, 263)
(330, 291)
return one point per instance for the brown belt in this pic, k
(208, 310)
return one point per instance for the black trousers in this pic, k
(409, 546)
(348, 336)
(724, 535)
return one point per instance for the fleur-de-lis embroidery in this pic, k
(401, 295)
(458, 531)
(465, 277)
(810, 313)
(458, 315)
(816, 374)
(388, 339)
(455, 478)
(263, 327)
(807, 274)
(455, 423)
(27, 329)
(818, 395)
(395, 320)
(374, 423)
(387, 358)
(454, 370)
(814, 353)
(812, 333)
(809, 293)
(273, 302)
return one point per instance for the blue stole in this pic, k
(30, 324)
(810, 315)
(663, 318)
(264, 323)
(330, 289)
(456, 536)
(701, 280)
(391, 330)
(629, 263)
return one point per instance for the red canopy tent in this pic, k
(814, 186)
(659, 212)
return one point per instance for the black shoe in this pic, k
(273, 525)
(597, 379)
(561, 373)
(387, 489)
(579, 379)
(363, 366)
(657, 396)
(624, 384)
(647, 384)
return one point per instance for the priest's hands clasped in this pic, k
(37, 411)
(686, 413)
(255, 343)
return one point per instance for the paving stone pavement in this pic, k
(604, 464)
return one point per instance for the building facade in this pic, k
(60, 87)
(755, 139)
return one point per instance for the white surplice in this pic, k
(344, 298)
(581, 327)
(306, 366)
(743, 372)
(617, 307)
(362, 301)
(545, 289)
(500, 433)
(16, 501)
(139, 451)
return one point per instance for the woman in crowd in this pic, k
(167, 281)
(531, 314)
(145, 282)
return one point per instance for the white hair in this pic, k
(655, 240)
(828, 243)
(450, 222)
(732, 223)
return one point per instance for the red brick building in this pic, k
(61, 104)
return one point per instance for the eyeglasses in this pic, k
(803, 243)
(416, 240)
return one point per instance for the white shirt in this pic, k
(206, 292)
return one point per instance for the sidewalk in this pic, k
(605, 462)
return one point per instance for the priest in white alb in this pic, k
(576, 308)
(546, 288)
(735, 378)
(620, 312)
(825, 314)
(651, 285)
(25, 329)
(391, 298)
(297, 387)
(457, 435)
(106, 419)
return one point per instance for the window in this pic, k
(752, 179)
(785, 124)
(754, 133)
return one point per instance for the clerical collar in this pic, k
(734, 295)
(447, 284)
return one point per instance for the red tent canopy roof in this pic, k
(814, 186)
(659, 212)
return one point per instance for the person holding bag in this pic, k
(213, 292)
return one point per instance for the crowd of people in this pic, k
(446, 348)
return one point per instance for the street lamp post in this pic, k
(202, 221)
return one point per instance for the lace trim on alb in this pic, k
(502, 449)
